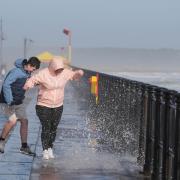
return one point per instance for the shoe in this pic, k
(2, 146)
(27, 151)
(50, 152)
(45, 154)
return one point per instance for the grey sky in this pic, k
(94, 23)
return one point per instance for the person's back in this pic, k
(12, 92)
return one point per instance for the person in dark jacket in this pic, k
(11, 99)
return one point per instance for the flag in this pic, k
(66, 31)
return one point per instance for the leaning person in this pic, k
(52, 81)
(11, 99)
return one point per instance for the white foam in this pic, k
(163, 79)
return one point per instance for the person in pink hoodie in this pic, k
(52, 81)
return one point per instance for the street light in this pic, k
(68, 33)
(26, 40)
(2, 38)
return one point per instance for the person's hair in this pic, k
(33, 61)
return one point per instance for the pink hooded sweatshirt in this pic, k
(51, 86)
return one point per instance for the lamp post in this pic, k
(2, 38)
(26, 40)
(68, 33)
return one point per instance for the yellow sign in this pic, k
(94, 86)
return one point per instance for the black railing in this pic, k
(139, 119)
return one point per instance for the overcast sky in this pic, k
(94, 23)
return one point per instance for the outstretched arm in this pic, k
(33, 81)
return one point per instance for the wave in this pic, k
(162, 79)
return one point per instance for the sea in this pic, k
(160, 67)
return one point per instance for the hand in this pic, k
(81, 72)
(26, 87)
(78, 74)
(11, 104)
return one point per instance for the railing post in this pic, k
(159, 135)
(151, 115)
(169, 143)
(177, 139)
(143, 124)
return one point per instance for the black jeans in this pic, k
(49, 118)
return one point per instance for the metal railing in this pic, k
(139, 119)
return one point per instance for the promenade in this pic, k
(78, 153)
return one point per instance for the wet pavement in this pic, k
(78, 153)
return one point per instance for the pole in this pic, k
(2, 38)
(69, 48)
(1, 43)
(68, 33)
(25, 47)
(26, 44)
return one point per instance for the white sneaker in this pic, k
(45, 155)
(50, 152)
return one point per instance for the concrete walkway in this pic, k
(79, 156)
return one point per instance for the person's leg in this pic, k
(8, 111)
(6, 129)
(56, 117)
(44, 115)
(23, 131)
(22, 118)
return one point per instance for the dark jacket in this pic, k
(12, 92)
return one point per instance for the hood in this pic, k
(19, 63)
(56, 63)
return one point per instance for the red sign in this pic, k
(66, 31)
